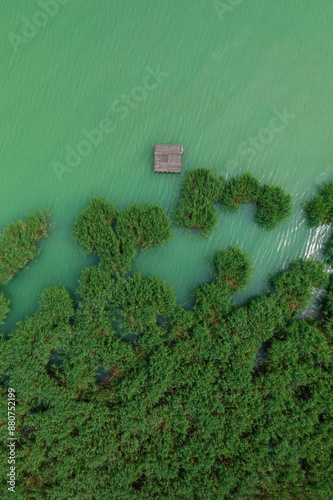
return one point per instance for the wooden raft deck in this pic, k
(168, 158)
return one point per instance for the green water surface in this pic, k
(187, 72)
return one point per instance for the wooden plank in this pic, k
(174, 168)
(174, 158)
(168, 158)
(176, 149)
(161, 167)
(162, 158)
(162, 148)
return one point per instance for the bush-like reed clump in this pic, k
(145, 225)
(202, 188)
(240, 190)
(195, 209)
(93, 228)
(274, 206)
(140, 300)
(329, 251)
(232, 272)
(295, 285)
(18, 243)
(4, 307)
(115, 236)
(233, 269)
(319, 210)
(327, 308)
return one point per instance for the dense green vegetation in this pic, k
(195, 209)
(239, 190)
(18, 243)
(202, 188)
(274, 206)
(146, 225)
(232, 272)
(319, 210)
(123, 393)
(4, 307)
(329, 251)
(117, 235)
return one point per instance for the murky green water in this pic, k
(181, 72)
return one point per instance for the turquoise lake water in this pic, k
(244, 87)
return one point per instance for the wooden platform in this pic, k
(168, 158)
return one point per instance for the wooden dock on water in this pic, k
(168, 158)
